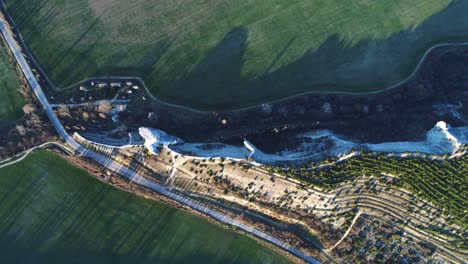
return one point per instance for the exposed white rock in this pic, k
(250, 147)
(440, 136)
(316, 144)
(460, 133)
(439, 140)
(211, 150)
(155, 138)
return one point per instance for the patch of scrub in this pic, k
(116, 109)
(454, 110)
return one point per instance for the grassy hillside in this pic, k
(52, 212)
(218, 54)
(11, 101)
(442, 182)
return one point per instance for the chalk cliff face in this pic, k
(460, 133)
(441, 139)
(156, 138)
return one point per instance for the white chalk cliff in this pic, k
(155, 138)
(441, 139)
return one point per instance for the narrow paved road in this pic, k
(122, 170)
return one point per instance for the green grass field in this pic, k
(11, 100)
(52, 212)
(222, 54)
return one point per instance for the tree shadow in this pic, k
(220, 69)
(64, 216)
(12, 253)
(143, 67)
(370, 64)
(218, 82)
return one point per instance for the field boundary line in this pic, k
(24, 154)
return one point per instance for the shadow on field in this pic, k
(61, 216)
(216, 81)
(221, 68)
(17, 254)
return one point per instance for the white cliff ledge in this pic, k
(442, 139)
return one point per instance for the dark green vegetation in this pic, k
(11, 100)
(367, 239)
(52, 212)
(442, 182)
(220, 54)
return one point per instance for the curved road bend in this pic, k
(21, 156)
(124, 171)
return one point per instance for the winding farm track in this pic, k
(345, 234)
(6, 17)
(119, 168)
(132, 175)
(25, 154)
